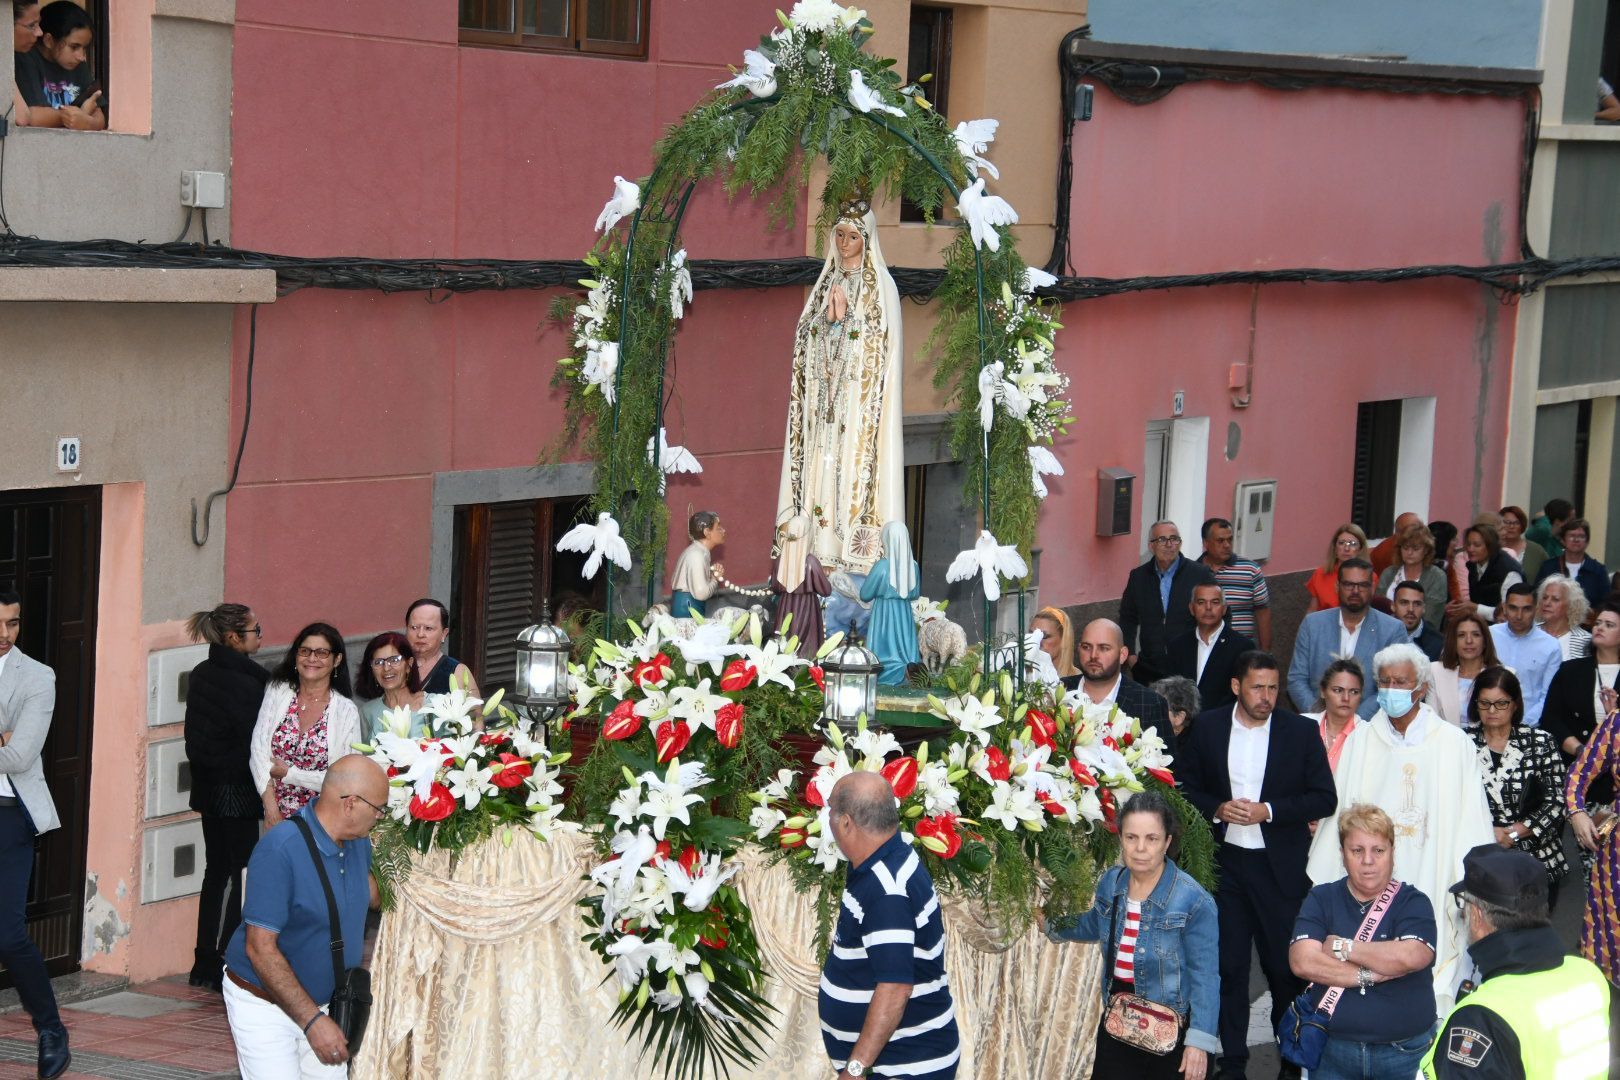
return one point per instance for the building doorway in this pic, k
(50, 548)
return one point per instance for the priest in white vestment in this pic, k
(842, 459)
(1423, 773)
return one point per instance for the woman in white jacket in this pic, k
(307, 721)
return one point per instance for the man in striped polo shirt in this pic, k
(886, 1005)
(1243, 584)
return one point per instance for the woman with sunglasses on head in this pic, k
(1349, 542)
(222, 705)
(1523, 774)
(388, 680)
(307, 721)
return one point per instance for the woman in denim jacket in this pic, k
(1163, 945)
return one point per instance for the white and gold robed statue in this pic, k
(842, 462)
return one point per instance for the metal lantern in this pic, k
(542, 664)
(851, 672)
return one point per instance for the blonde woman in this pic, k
(1057, 641)
(1349, 542)
(1561, 610)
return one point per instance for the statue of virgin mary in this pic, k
(842, 461)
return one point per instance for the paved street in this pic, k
(155, 1031)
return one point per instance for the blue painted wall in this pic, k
(1474, 33)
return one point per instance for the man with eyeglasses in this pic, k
(1536, 1011)
(1425, 774)
(278, 967)
(1526, 649)
(1156, 605)
(1354, 628)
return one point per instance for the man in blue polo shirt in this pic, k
(278, 966)
(885, 1001)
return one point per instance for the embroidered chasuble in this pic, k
(1429, 783)
(842, 458)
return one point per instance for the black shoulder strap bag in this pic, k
(350, 1007)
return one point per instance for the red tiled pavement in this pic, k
(195, 1041)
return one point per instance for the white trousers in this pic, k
(269, 1045)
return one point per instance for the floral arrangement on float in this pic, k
(688, 726)
(1016, 806)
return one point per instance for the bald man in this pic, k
(885, 999)
(1385, 554)
(278, 966)
(1103, 680)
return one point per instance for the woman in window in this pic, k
(1468, 651)
(1524, 776)
(222, 704)
(1491, 572)
(1529, 553)
(1561, 610)
(54, 78)
(1415, 562)
(307, 722)
(388, 680)
(1349, 542)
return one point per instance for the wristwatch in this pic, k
(1513, 834)
(855, 1068)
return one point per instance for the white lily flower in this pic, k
(983, 213)
(601, 362)
(627, 806)
(874, 745)
(825, 852)
(779, 788)
(973, 716)
(765, 820)
(773, 665)
(668, 798)
(696, 705)
(470, 784)
(939, 795)
(1010, 806)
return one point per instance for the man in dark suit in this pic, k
(1154, 606)
(1206, 653)
(1261, 775)
(1103, 680)
(1408, 607)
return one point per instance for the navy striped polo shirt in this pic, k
(889, 931)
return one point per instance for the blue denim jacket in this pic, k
(1176, 946)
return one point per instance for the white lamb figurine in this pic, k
(941, 643)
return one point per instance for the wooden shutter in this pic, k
(511, 598)
(1377, 462)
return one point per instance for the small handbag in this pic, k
(1138, 1021)
(350, 1007)
(1302, 1033)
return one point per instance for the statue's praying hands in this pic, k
(837, 303)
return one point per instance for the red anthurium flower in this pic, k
(1052, 806)
(943, 829)
(901, 773)
(728, 720)
(439, 804)
(715, 938)
(1039, 737)
(812, 794)
(660, 853)
(654, 672)
(790, 838)
(1110, 814)
(490, 738)
(672, 737)
(691, 858)
(622, 722)
(1041, 722)
(512, 771)
(999, 767)
(1127, 738)
(1163, 776)
(819, 677)
(1081, 773)
(393, 771)
(738, 674)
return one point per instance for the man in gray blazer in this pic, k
(27, 700)
(1354, 628)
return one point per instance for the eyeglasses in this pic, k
(306, 653)
(387, 661)
(29, 26)
(1352, 542)
(1172, 539)
(380, 811)
(1354, 585)
(1504, 705)
(256, 628)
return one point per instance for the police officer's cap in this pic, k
(1504, 878)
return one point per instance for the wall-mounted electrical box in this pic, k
(167, 673)
(168, 778)
(1253, 518)
(1116, 491)
(171, 861)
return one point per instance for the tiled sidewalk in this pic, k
(163, 1030)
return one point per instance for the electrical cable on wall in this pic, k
(201, 539)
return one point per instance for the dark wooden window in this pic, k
(609, 27)
(1378, 446)
(929, 53)
(504, 562)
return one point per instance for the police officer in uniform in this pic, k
(1536, 1013)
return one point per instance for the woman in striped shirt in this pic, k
(1160, 931)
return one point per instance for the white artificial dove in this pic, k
(671, 459)
(1042, 462)
(601, 539)
(991, 561)
(758, 75)
(989, 383)
(866, 99)
(626, 198)
(973, 138)
(680, 284)
(1035, 278)
(983, 213)
(601, 362)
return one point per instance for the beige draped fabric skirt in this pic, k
(481, 971)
